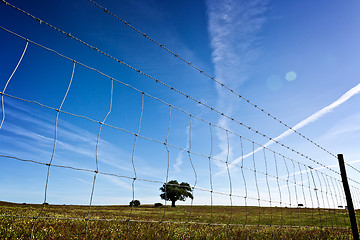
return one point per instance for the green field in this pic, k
(182, 222)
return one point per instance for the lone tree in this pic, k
(134, 203)
(173, 191)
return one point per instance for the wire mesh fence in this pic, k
(132, 142)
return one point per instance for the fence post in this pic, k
(348, 197)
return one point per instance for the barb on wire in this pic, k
(232, 91)
(169, 87)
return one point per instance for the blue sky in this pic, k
(297, 60)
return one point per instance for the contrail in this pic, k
(352, 92)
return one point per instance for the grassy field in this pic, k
(285, 222)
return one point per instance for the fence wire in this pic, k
(187, 96)
(252, 184)
(191, 115)
(229, 89)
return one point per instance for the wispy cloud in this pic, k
(234, 27)
(29, 134)
(34, 133)
(118, 182)
(179, 161)
(180, 156)
(346, 127)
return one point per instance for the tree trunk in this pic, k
(173, 203)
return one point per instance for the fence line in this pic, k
(163, 143)
(164, 84)
(229, 89)
(232, 91)
(318, 187)
(259, 199)
(194, 187)
(143, 93)
(201, 119)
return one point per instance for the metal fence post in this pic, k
(349, 202)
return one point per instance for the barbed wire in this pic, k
(163, 143)
(353, 167)
(126, 23)
(51, 50)
(148, 95)
(185, 150)
(168, 86)
(188, 149)
(202, 189)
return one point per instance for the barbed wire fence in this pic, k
(222, 114)
(230, 90)
(308, 188)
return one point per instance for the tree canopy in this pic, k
(134, 203)
(173, 191)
